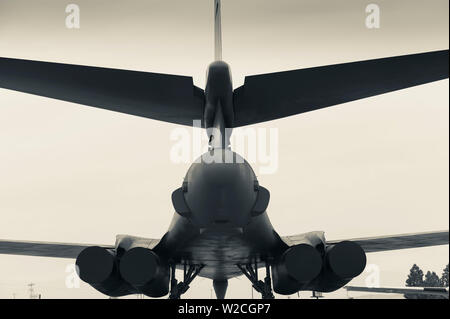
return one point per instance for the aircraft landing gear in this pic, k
(263, 287)
(179, 288)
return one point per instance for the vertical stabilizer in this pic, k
(217, 31)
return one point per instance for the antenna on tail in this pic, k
(217, 31)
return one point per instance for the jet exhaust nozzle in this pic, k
(343, 262)
(97, 266)
(303, 262)
(298, 265)
(346, 259)
(145, 271)
(303, 267)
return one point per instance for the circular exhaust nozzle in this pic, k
(139, 266)
(95, 265)
(303, 262)
(346, 259)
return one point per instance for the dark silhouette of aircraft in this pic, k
(220, 227)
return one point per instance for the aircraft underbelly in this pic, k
(219, 247)
(219, 251)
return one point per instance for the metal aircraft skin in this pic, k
(220, 228)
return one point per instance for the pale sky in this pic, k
(71, 173)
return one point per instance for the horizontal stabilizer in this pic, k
(164, 97)
(272, 96)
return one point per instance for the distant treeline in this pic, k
(416, 278)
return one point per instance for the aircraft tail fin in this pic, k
(217, 30)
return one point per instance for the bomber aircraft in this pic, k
(220, 228)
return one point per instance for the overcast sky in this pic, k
(71, 173)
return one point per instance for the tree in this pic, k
(432, 280)
(444, 277)
(415, 279)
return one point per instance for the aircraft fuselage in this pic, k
(220, 190)
(222, 227)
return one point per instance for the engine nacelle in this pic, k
(137, 270)
(304, 267)
(343, 262)
(298, 266)
(145, 271)
(99, 268)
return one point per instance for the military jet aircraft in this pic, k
(220, 228)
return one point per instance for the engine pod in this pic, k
(346, 259)
(139, 266)
(97, 266)
(343, 262)
(298, 265)
(303, 262)
(143, 269)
